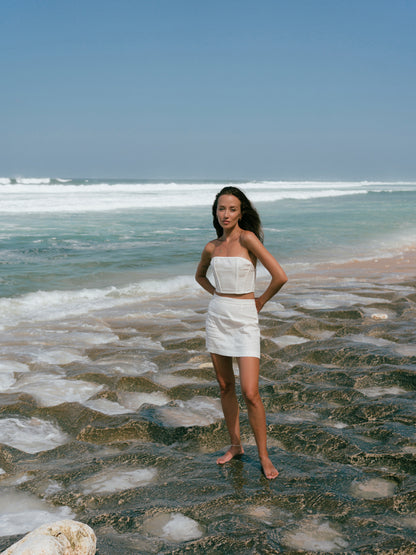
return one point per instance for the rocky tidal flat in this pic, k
(114, 420)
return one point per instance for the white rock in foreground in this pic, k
(65, 537)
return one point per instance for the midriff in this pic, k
(236, 295)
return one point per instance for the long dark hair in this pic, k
(250, 219)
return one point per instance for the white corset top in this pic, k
(234, 275)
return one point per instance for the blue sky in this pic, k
(192, 89)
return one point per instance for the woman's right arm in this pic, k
(201, 271)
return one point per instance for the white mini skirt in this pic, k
(232, 327)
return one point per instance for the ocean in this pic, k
(109, 405)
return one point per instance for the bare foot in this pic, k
(233, 451)
(269, 470)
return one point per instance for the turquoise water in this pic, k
(64, 236)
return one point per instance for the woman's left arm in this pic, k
(251, 242)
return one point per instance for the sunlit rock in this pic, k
(65, 537)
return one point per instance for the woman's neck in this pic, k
(231, 234)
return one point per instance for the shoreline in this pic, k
(397, 267)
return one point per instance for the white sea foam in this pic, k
(377, 341)
(14, 479)
(106, 406)
(279, 310)
(44, 306)
(173, 380)
(294, 417)
(50, 390)
(400, 348)
(8, 366)
(163, 313)
(408, 521)
(284, 314)
(142, 342)
(87, 339)
(138, 367)
(181, 528)
(111, 480)
(33, 180)
(198, 411)
(335, 300)
(52, 487)
(314, 535)
(7, 380)
(375, 488)
(321, 335)
(174, 527)
(337, 425)
(405, 350)
(264, 514)
(59, 356)
(182, 335)
(31, 435)
(380, 391)
(40, 195)
(134, 400)
(285, 340)
(22, 512)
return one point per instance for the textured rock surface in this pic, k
(65, 537)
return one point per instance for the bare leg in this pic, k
(224, 369)
(249, 380)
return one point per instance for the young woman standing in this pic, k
(232, 322)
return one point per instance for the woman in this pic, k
(232, 321)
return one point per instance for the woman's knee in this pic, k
(226, 387)
(251, 396)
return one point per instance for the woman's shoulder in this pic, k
(248, 238)
(210, 247)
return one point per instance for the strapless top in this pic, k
(234, 275)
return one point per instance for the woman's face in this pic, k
(228, 211)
